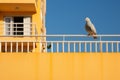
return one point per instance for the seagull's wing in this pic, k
(93, 31)
(93, 28)
(87, 27)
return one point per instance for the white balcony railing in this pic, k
(83, 43)
(20, 29)
(64, 43)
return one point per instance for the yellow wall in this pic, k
(59, 66)
(18, 5)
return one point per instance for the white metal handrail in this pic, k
(84, 46)
(71, 35)
(62, 45)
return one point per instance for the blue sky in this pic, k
(67, 16)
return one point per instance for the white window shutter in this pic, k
(8, 26)
(27, 27)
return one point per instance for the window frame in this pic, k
(11, 24)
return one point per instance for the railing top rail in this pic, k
(62, 35)
(79, 41)
(80, 35)
(57, 41)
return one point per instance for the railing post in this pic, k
(62, 46)
(11, 49)
(74, 46)
(5, 46)
(27, 47)
(46, 44)
(85, 49)
(57, 47)
(52, 47)
(16, 46)
(100, 46)
(90, 46)
(95, 46)
(112, 46)
(40, 46)
(33, 46)
(117, 46)
(79, 46)
(21, 46)
(68, 46)
(0, 47)
(106, 46)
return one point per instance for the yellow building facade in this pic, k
(22, 18)
(25, 54)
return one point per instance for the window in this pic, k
(18, 25)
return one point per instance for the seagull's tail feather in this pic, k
(95, 36)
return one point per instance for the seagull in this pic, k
(90, 28)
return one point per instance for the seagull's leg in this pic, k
(88, 34)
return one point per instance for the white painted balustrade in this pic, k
(64, 43)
